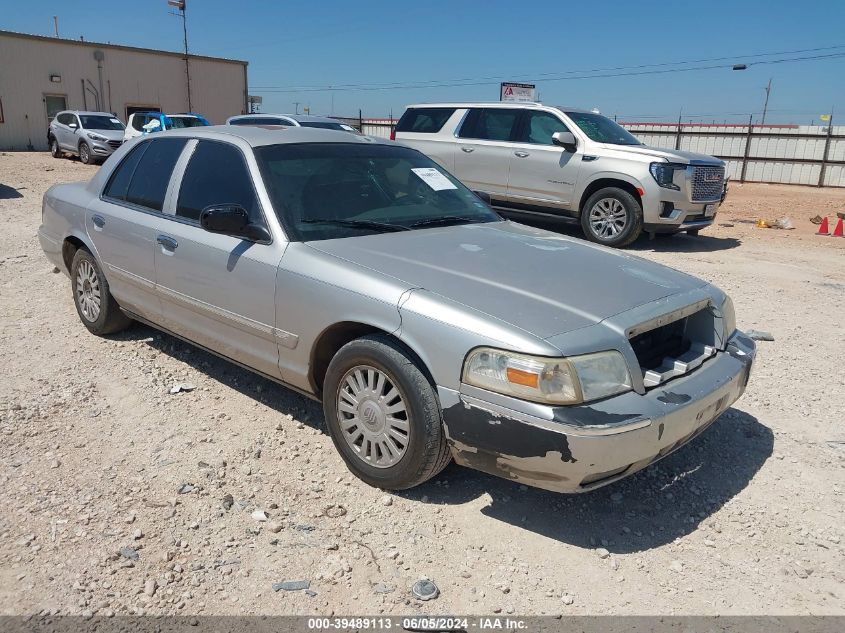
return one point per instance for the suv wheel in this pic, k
(55, 151)
(85, 153)
(612, 217)
(95, 305)
(383, 415)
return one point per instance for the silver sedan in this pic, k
(362, 274)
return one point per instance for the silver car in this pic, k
(362, 274)
(292, 120)
(92, 136)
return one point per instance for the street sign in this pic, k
(517, 92)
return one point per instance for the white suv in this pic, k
(528, 158)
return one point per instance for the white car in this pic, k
(141, 123)
(291, 120)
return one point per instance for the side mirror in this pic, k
(231, 219)
(566, 140)
(72, 126)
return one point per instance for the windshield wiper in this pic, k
(445, 220)
(358, 224)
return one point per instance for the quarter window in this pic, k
(147, 175)
(492, 124)
(539, 127)
(216, 175)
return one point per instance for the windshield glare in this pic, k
(601, 129)
(326, 191)
(98, 122)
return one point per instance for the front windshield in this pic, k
(187, 121)
(100, 122)
(601, 129)
(325, 191)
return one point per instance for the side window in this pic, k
(63, 118)
(424, 120)
(152, 174)
(138, 121)
(539, 127)
(216, 174)
(118, 184)
(493, 124)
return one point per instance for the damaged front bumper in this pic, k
(580, 448)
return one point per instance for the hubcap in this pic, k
(608, 218)
(373, 417)
(83, 153)
(88, 291)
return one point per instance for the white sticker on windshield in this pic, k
(114, 120)
(433, 178)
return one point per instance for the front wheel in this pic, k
(383, 414)
(612, 217)
(85, 153)
(693, 232)
(55, 150)
(95, 305)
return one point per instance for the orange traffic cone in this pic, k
(838, 232)
(824, 229)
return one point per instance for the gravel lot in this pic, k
(95, 455)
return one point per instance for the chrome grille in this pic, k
(707, 182)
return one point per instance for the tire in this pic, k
(100, 314)
(85, 153)
(617, 217)
(693, 232)
(55, 150)
(387, 465)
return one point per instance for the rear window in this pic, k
(424, 120)
(259, 121)
(151, 175)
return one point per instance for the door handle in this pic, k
(468, 150)
(167, 242)
(521, 154)
(99, 221)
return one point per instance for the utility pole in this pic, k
(56, 24)
(180, 5)
(768, 90)
(296, 106)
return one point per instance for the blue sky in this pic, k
(333, 42)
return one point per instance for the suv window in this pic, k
(424, 120)
(138, 121)
(494, 124)
(539, 127)
(217, 174)
(148, 175)
(64, 118)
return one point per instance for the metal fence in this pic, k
(790, 154)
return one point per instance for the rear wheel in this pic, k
(85, 153)
(95, 305)
(612, 217)
(383, 414)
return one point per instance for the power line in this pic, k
(657, 68)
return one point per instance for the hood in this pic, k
(672, 155)
(541, 282)
(112, 135)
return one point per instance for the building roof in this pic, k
(137, 49)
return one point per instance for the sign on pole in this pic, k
(825, 117)
(517, 92)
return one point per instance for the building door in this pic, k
(53, 105)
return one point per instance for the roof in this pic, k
(88, 113)
(301, 118)
(137, 49)
(495, 104)
(258, 136)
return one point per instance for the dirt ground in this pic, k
(95, 455)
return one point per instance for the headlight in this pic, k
(96, 137)
(549, 380)
(664, 174)
(728, 317)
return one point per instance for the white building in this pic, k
(40, 76)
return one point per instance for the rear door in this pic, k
(541, 173)
(485, 149)
(218, 290)
(125, 219)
